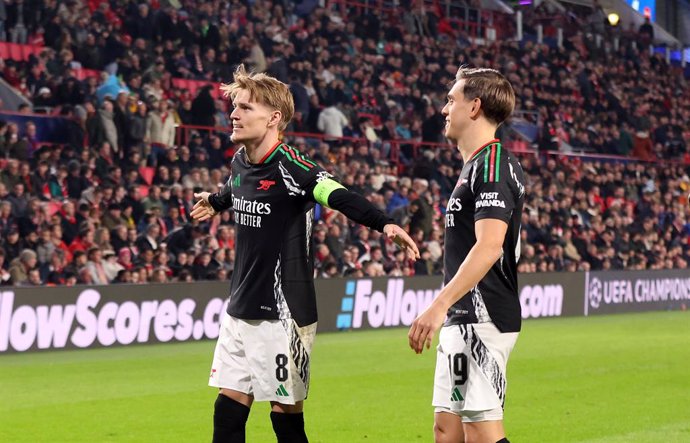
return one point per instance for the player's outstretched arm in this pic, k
(357, 208)
(487, 251)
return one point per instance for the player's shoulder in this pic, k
(493, 163)
(293, 158)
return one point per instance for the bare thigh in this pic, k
(238, 396)
(287, 409)
(484, 431)
(448, 428)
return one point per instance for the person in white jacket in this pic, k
(160, 127)
(332, 121)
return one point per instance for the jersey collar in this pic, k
(494, 141)
(270, 151)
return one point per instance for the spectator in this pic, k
(332, 121)
(101, 126)
(160, 128)
(5, 277)
(18, 200)
(111, 267)
(20, 267)
(149, 240)
(204, 108)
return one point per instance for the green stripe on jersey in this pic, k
(287, 157)
(279, 148)
(498, 161)
(323, 190)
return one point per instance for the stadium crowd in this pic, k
(115, 209)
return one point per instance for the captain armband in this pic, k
(323, 190)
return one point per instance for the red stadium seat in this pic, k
(27, 51)
(16, 51)
(4, 50)
(83, 74)
(147, 174)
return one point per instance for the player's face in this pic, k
(457, 112)
(251, 120)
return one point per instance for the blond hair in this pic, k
(262, 89)
(492, 88)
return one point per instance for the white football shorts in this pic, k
(268, 359)
(470, 378)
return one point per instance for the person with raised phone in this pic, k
(265, 342)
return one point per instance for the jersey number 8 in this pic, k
(281, 370)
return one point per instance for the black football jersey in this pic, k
(490, 186)
(273, 203)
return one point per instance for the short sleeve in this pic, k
(494, 196)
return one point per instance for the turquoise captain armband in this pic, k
(323, 190)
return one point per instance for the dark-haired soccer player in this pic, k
(266, 338)
(479, 301)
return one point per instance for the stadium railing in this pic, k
(51, 130)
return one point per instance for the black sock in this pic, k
(503, 440)
(289, 428)
(229, 419)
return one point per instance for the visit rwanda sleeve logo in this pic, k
(236, 181)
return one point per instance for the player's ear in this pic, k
(476, 106)
(276, 116)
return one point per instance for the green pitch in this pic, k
(606, 379)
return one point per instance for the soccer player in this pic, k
(479, 300)
(263, 350)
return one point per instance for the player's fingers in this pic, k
(429, 339)
(198, 204)
(419, 340)
(200, 214)
(411, 336)
(414, 250)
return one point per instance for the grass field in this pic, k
(621, 379)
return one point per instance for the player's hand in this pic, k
(425, 326)
(202, 209)
(402, 239)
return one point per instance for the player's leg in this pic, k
(288, 422)
(489, 431)
(230, 414)
(448, 428)
(447, 421)
(279, 355)
(231, 375)
(485, 362)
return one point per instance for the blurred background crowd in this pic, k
(112, 203)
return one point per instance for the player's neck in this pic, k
(471, 141)
(257, 149)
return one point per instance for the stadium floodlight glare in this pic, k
(614, 19)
